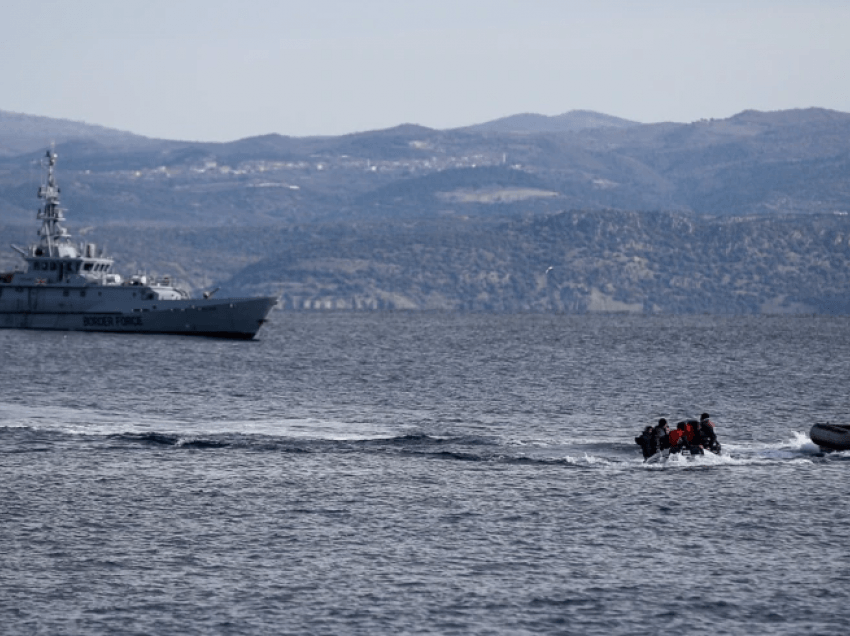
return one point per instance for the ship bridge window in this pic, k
(53, 266)
(87, 267)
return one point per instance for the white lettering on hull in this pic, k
(112, 321)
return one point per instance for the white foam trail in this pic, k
(563, 441)
(804, 443)
(323, 429)
(587, 460)
(83, 421)
(798, 447)
(601, 463)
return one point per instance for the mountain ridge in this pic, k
(21, 133)
(570, 121)
(751, 163)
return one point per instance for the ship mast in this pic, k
(51, 232)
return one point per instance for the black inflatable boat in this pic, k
(831, 436)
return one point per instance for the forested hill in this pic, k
(577, 262)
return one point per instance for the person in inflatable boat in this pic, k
(653, 439)
(691, 435)
(708, 437)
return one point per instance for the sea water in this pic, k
(413, 473)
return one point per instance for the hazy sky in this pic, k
(220, 70)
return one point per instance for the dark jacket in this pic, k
(708, 436)
(660, 440)
(644, 440)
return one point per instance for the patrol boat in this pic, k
(68, 287)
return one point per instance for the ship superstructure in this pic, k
(72, 287)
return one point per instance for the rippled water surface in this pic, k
(424, 473)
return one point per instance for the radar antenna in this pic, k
(51, 231)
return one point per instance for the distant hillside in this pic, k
(784, 162)
(20, 133)
(572, 121)
(747, 214)
(575, 262)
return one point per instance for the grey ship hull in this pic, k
(73, 288)
(40, 308)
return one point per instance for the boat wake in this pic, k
(308, 436)
(26, 428)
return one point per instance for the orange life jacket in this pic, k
(690, 431)
(675, 434)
